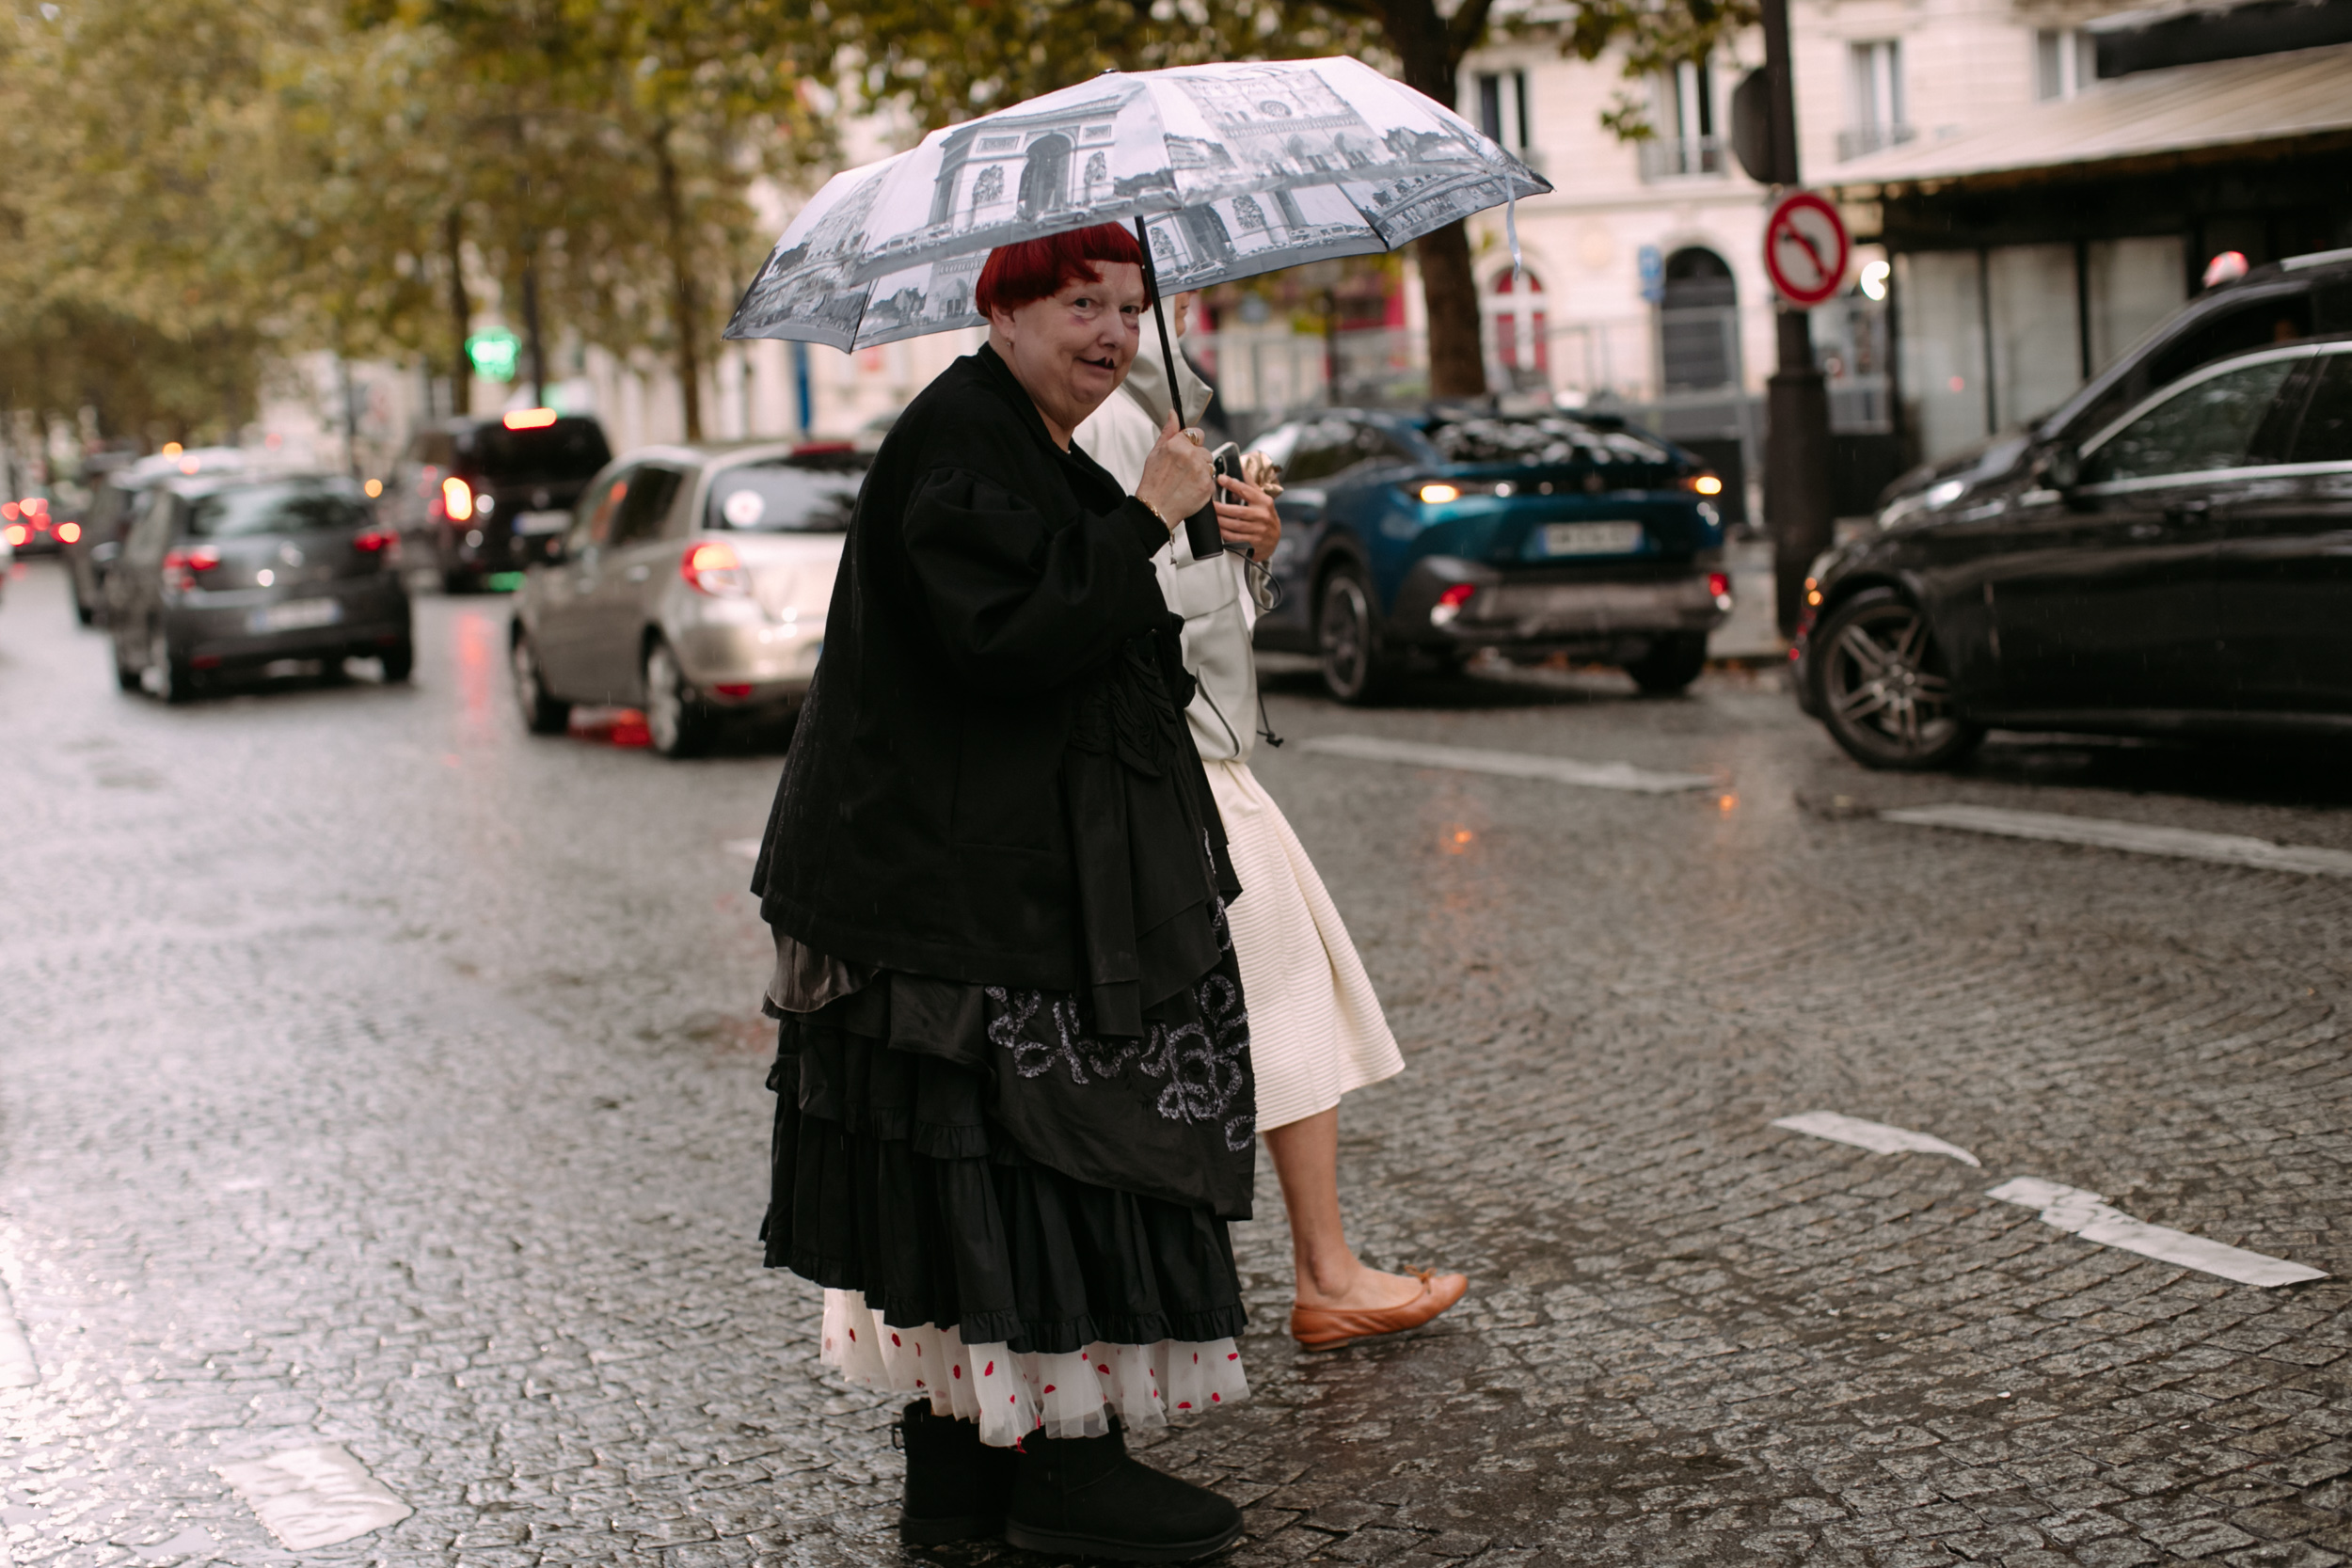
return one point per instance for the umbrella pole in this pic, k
(1159, 313)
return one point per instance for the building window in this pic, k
(2064, 63)
(1515, 304)
(1682, 110)
(1874, 94)
(1503, 108)
(1698, 323)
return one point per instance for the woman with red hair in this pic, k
(1014, 1096)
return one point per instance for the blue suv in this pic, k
(1440, 534)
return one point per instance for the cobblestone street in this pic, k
(376, 1074)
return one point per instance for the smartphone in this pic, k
(1200, 529)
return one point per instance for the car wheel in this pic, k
(167, 674)
(1356, 667)
(399, 662)
(542, 713)
(675, 718)
(1883, 688)
(1670, 665)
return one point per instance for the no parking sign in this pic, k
(1805, 249)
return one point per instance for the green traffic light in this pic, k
(495, 354)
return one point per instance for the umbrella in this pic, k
(1226, 171)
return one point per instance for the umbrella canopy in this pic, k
(1235, 169)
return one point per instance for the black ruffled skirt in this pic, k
(972, 1158)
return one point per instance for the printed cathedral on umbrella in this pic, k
(1235, 169)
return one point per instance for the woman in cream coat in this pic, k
(1315, 1027)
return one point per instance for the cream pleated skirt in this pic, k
(1315, 1029)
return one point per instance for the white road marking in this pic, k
(1875, 1136)
(315, 1497)
(2088, 1216)
(2135, 837)
(747, 848)
(17, 1370)
(1516, 765)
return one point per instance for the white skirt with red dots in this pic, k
(1011, 1394)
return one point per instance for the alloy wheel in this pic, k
(1884, 689)
(1344, 631)
(676, 728)
(542, 714)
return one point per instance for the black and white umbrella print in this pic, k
(1236, 170)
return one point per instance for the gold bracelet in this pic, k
(1160, 514)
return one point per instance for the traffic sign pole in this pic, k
(1796, 501)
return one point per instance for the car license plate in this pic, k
(542, 522)
(298, 615)
(1592, 538)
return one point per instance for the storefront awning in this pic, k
(2270, 99)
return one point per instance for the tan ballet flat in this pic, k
(1330, 1327)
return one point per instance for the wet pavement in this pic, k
(379, 1081)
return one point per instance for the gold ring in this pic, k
(1194, 437)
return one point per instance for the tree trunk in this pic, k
(1449, 289)
(1449, 285)
(686, 310)
(461, 315)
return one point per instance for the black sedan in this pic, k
(1464, 529)
(217, 574)
(2186, 570)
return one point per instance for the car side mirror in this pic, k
(105, 554)
(2062, 470)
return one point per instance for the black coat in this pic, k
(996, 602)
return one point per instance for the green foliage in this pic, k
(201, 189)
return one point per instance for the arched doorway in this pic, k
(1514, 304)
(1045, 177)
(1698, 323)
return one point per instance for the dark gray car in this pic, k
(221, 572)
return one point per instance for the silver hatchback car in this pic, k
(693, 583)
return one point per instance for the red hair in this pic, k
(1018, 275)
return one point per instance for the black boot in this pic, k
(1083, 1496)
(956, 1486)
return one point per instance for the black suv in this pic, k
(486, 497)
(2184, 569)
(2278, 302)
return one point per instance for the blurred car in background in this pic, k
(7, 561)
(222, 572)
(1464, 529)
(694, 585)
(116, 487)
(2186, 570)
(483, 497)
(2280, 302)
(31, 525)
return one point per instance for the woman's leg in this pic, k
(1307, 1158)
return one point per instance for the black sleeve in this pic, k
(1021, 606)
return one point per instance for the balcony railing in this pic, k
(1684, 157)
(1865, 140)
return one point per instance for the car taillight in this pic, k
(1450, 603)
(377, 541)
(17, 533)
(182, 567)
(1704, 484)
(713, 567)
(9, 511)
(69, 532)
(457, 499)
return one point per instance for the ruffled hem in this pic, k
(1011, 1394)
